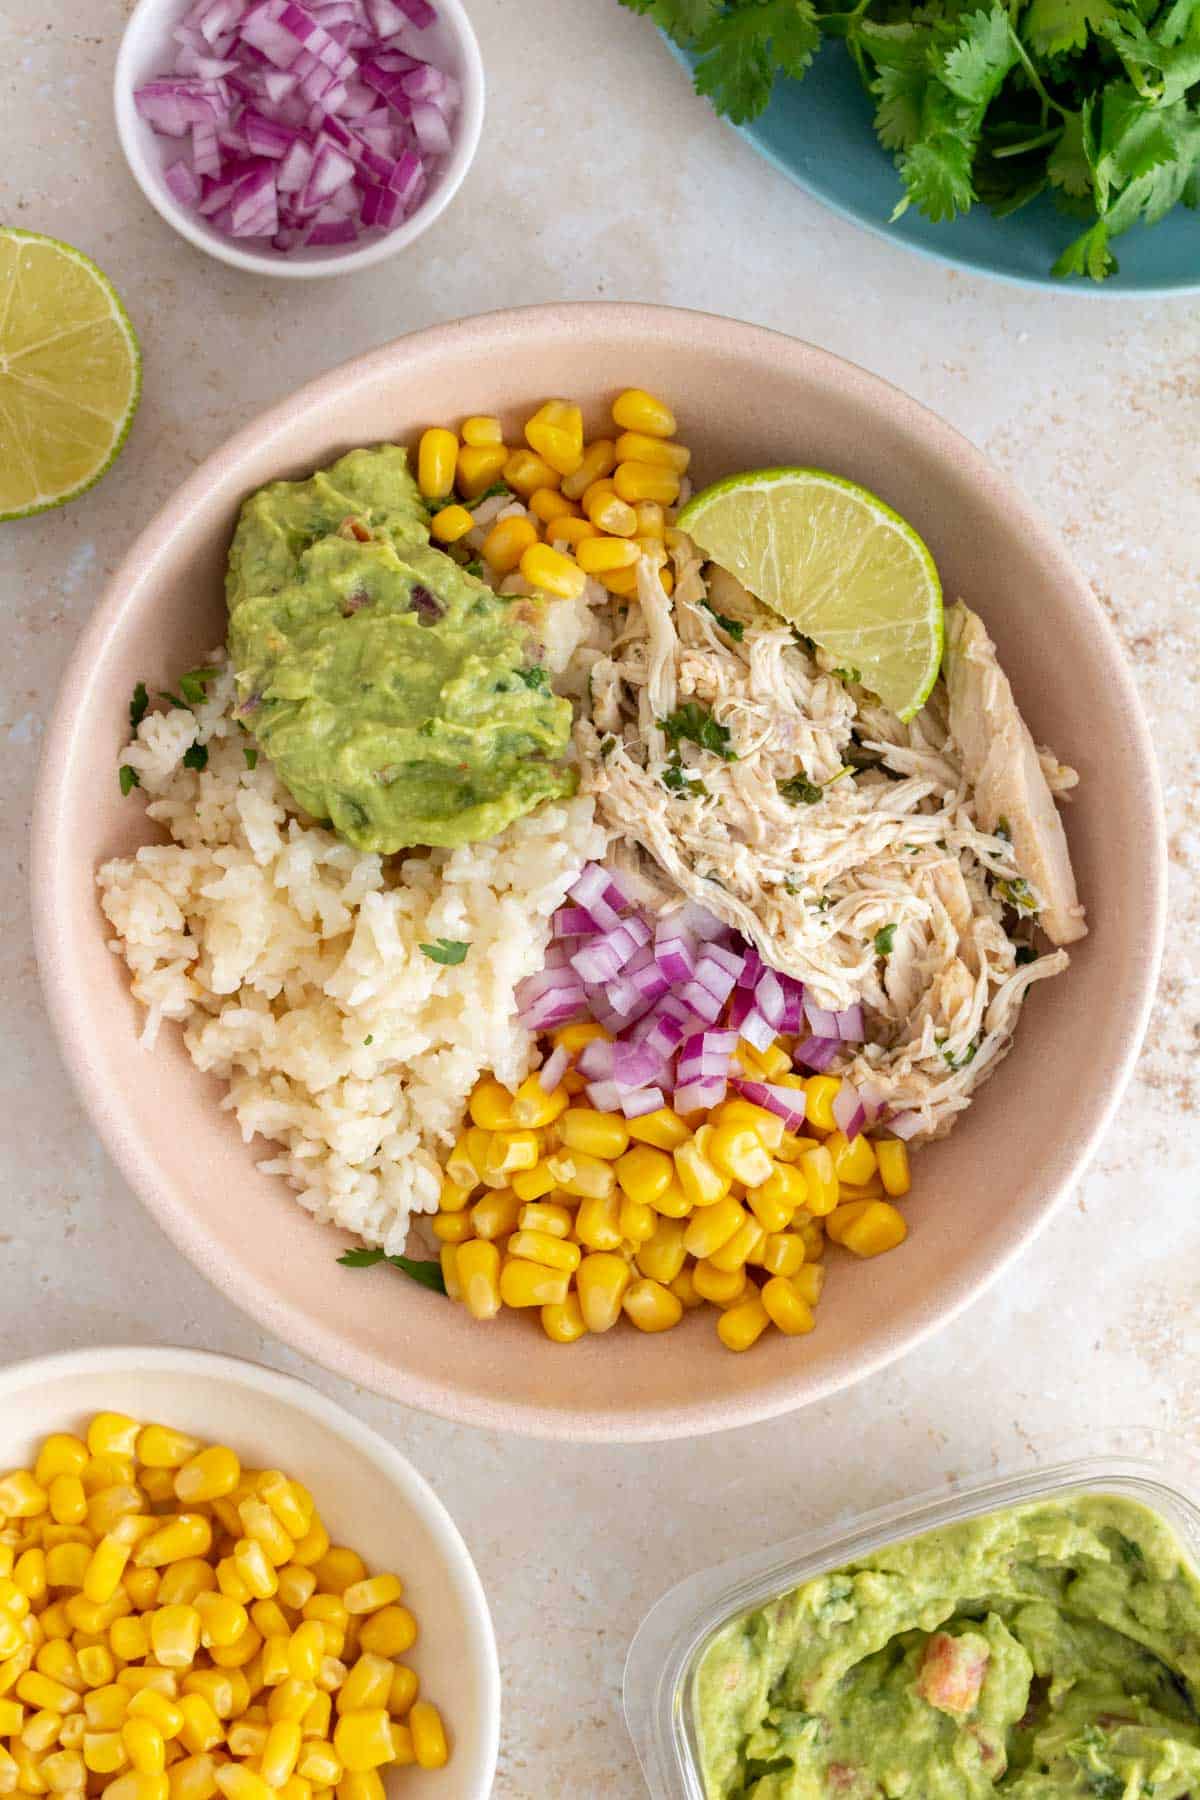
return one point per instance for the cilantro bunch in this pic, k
(1096, 102)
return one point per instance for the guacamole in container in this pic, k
(1039, 1649)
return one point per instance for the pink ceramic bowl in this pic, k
(746, 398)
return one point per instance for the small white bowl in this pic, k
(367, 1493)
(147, 50)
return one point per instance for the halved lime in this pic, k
(838, 564)
(70, 373)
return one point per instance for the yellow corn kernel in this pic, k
(61, 1454)
(478, 467)
(651, 1306)
(29, 1575)
(158, 1485)
(867, 1227)
(548, 506)
(246, 1736)
(193, 1778)
(595, 1133)
(160, 1447)
(112, 1504)
(366, 1686)
(783, 1253)
(608, 512)
(59, 1660)
(598, 1222)
(40, 1730)
(526, 472)
(808, 1282)
(685, 1291)
(481, 429)
(712, 1226)
(187, 1534)
(460, 1166)
(892, 1157)
(14, 1605)
(853, 1162)
(237, 1782)
(704, 1184)
(673, 1203)
(738, 1152)
(636, 481)
(532, 1184)
(112, 1434)
(820, 1179)
(578, 1172)
(273, 1663)
(724, 1287)
(638, 447)
(229, 1580)
(636, 410)
(363, 1740)
(201, 1729)
(601, 1281)
(645, 1174)
(787, 1309)
(54, 1620)
(491, 1106)
(820, 1092)
(110, 1470)
(319, 1762)
(568, 532)
(767, 1126)
(222, 1620)
(294, 1699)
(662, 1256)
(214, 1686)
(163, 1713)
(12, 1717)
(71, 1731)
(105, 1708)
(601, 555)
(563, 1323)
(572, 1038)
(553, 573)
(261, 1523)
(209, 1475)
(534, 1108)
(451, 523)
(13, 1667)
(493, 1217)
(745, 1244)
(479, 1274)
(103, 1575)
(9, 1772)
(289, 1500)
(637, 1221)
(133, 1680)
(742, 1325)
(313, 1545)
(448, 1260)
(256, 1570)
(175, 1636)
(546, 1217)
(530, 1284)
(280, 1752)
(67, 1500)
(666, 581)
(21, 1497)
(361, 1784)
(306, 1647)
(144, 1745)
(437, 453)
(598, 461)
(555, 433)
(29, 1773)
(783, 1191)
(507, 542)
(428, 1736)
(104, 1752)
(64, 1772)
(451, 1228)
(544, 1248)
(48, 1695)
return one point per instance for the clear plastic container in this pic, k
(1148, 1466)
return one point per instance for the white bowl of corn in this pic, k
(216, 1585)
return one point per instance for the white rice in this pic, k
(294, 964)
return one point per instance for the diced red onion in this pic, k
(698, 920)
(295, 168)
(758, 1032)
(851, 1026)
(595, 1060)
(706, 1006)
(905, 1124)
(700, 1096)
(821, 1022)
(817, 1052)
(786, 1103)
(675, 959)
(554, 1068)
(850, 1115)
(769, 998)
(634, 1065)
(635, 1105)
(664, 1035)
(589, 893)
(605, 1096)
(183, 183)
(752, 967)
(711, 975)
(793, 1005)
(573, 921)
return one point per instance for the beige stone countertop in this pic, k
(601, 177)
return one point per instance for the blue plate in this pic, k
(820, 133)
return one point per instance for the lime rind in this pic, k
(733, 508)
(120, 317)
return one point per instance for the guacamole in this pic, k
(388, 686)
(1050, 1649)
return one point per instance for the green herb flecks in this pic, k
(251, 757)
(428, 1274)
(608, 744)
(193, 685)
(196, 757)
(535, 678)
(128, 778)
(884, 939)
(449, 951)
(800, 791)
(695, 723)
(850, 674)
(680, 780)
(732, 627)
(965, 1060)
(139, 705)
(490, 493)
(1018, 894)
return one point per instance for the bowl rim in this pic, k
(465, 143)
(320, 1339)
(290, 1390)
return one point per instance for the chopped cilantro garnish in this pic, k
(429, 1274)
(475, 568)
(138, 705)
(447, 950)
(732, 627)
(849, 674)
(884, 939)
(129, 778)
(608, 744)
(370, 1038)
(489, 493)
(192, 685)
(696, 723)
(251, 757)
(965, 1060)
(196, 757)
(680, 781)
(173, 700)
(535, 678)
(800, 791)
(1018, 894)
(1003, 830)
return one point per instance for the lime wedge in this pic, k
(836, 563)
(70, 373)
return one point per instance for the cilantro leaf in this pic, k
(732, 627)
(1053, 27)
(682, 20)
(428, 1274)
(800, 791)
(139, 705)
(251, 757)
(745, 44)
(696, 723)
(680, 781)
(885, 937)
(192, 685)
(196, 757)
(128, 778)
(449, 951)
(535, 678)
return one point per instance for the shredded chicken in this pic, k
(813, 820)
